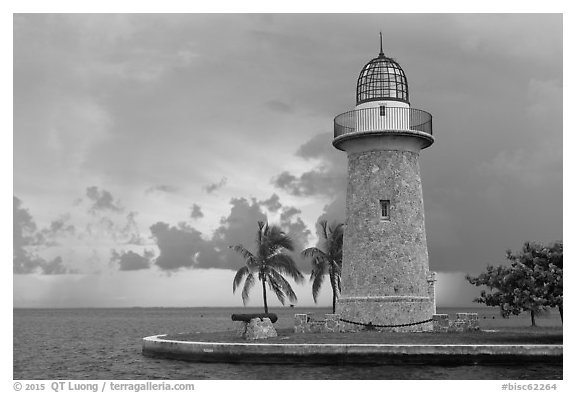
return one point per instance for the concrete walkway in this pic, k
(262, 352)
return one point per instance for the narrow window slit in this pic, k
(385, 207)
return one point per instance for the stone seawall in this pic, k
(268, 353)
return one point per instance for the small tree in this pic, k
(269, 263)
(327, 262)
(554, 277)
(532, 282)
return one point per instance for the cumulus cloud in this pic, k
(196, 212)
(238, 228)
(326, 179)
(183, 246)
(26, 239)
(161, 188)
(272, 204)
(130, 231)
(318, 182)
(288, 213)
(102, 200)
(320, 147)
(58, 228)
(178, 245)
(296, 229)
(130, 260)
(210, 188)
(55, 266)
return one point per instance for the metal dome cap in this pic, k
(382, 79)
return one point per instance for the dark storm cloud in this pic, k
(210, 188)
(238, 228)
(130, 260)
(162, 188)
(182, 246)
(178, 245)
(25, 239)
(55, 266)
(102, 200)
(196, 212)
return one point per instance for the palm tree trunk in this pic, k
(264, 293)
(333, 301)
(532, 318)
(560, 309)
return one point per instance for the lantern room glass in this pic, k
(382, 79)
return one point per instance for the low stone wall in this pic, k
(464, 322)
(256, 329)
(304, 323)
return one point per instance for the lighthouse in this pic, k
(386, 281)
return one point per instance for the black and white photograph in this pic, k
(287, 196)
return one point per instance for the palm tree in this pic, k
(327, 262)
(270, 263)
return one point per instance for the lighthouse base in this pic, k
(386, 313)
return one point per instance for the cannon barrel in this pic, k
(248, 317)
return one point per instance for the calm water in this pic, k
(106, 344)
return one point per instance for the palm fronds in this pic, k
(240, 274)
(270, 263)
(250, 281)
(328, 260)
(284, 264)
(283, 285)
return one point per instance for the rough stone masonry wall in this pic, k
(385, 262)
(304, 323)
(464, 322)
(256, 329)
(441, 323)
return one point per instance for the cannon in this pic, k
(248, 317)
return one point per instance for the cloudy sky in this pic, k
(144, 145)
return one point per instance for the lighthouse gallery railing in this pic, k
(383, 119)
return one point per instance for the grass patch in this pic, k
(537, 335)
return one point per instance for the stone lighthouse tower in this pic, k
(386, 281)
